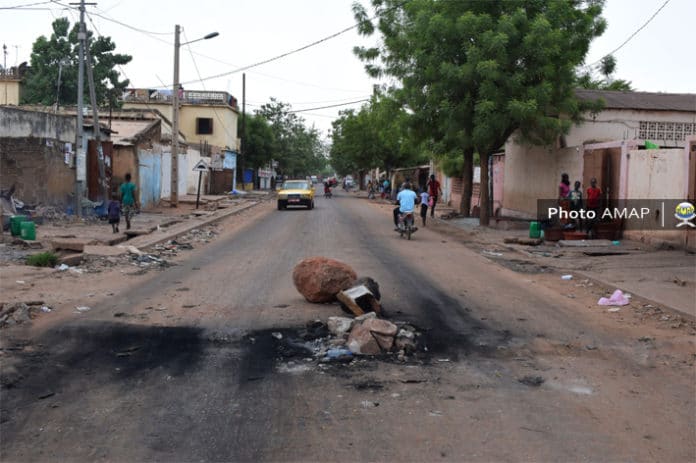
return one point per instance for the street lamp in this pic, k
(174, 197)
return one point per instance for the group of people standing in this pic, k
(572, 200)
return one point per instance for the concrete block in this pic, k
(71, 259)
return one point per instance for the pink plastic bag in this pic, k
(617, 298)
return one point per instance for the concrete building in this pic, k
(610, 146)
(11, 86)
(533, 172)
(207, 119)
(37, 154)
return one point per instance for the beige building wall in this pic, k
(10, 92)
(224, 122)
(532, 173)
(612, 125)
(657, 174)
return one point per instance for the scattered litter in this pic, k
(369, 404)
(435, 413)
(645, 339)
(567, 277)
(617, 298)
(443, 360)
(338, 355)
(534, 381)
(83, 308)
(20, 282)
(493, 254)
(46, 395)
(613, 309)
(277, 335)
(45, 309)
(62, 267)
(589, 347)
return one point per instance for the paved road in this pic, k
(189, 370)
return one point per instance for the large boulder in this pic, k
(319, 279)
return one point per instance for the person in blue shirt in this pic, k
(407, 203)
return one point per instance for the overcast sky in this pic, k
(658, 58)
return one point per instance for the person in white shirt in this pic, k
(424, 204)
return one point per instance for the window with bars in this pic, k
(676, 131)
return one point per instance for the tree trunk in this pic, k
(484, 217)
(467, 183)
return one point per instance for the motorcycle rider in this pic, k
(406, 199)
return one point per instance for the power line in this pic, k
(120, 23)
(330, 106)
(632, 35)
(24, 6)
(195, 65)
(275, 58)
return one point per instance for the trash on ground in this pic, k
(617, 298)
(492, 253)
(534, 381)
(567, 277)
(62, 267)
(277, 335)
(613, 309)
(359, 299)
(83, 308)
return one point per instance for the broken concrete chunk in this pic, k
(385, 342)
(69, 245)
(377, 325)
(362, 342)
(339, 326)
(366, 316)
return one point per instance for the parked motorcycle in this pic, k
(406, 225)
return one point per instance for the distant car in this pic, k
(314, 179)
(296, 193)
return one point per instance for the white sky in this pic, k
(659, 58)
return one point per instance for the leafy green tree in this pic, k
(259, 141)
(607, 66)
(377, 135)
(61, 50)
(475, 72)
(297, 148)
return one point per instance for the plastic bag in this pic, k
(617, 298)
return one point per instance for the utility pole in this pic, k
(174, 197)
(97, 127)
(243, 142)
(80, 157)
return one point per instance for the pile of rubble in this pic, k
(200, 235)
(321, 280)
(16, 313)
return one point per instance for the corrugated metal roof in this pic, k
(641, 100)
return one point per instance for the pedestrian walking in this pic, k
(114, 214)
(434, 191)
(424, 198)
(128, 203)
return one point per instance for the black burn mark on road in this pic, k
(90, 356)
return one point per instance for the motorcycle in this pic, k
(406, 225)
(327, 191)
